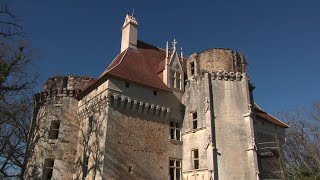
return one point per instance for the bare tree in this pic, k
(16, 83)
(301, 152)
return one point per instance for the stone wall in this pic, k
(196, 99)
(134, 131)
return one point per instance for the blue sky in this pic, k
(281, 39)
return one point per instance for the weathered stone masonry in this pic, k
(155, 115)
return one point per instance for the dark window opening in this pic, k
(155, 93)
(90, 125)
(175, 131)
(192, 68)
(195, 157)
(130, 169)
(194, 120)
(175, 170)
(54, 129)
(48, 169)
(65, 82)
(127, 85)
(85, 165)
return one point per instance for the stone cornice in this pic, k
(227, 76)
(53, 96)
(119, 100)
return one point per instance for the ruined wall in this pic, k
(57, 102)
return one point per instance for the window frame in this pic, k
(192, 68)
(174, 167)
(194, 116)
(48, 170)
(195, 160)
(175, 78)
(176, 129)
(54, 130)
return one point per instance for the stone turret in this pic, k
(216, 60)
(52, 143)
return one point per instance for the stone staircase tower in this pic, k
(218, 134)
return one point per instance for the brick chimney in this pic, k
(129, 33)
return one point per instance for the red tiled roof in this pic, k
(139, 66)
(268, 117)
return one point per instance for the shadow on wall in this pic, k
(136, 144)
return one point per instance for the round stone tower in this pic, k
(216, 60)
(218, 134)
(54, 128)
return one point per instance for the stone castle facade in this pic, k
(154, 114)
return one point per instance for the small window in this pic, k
(192, 68)
(195, 158)
(54, 129)
(155, 93)
(85, 165)
(175, 79)
(90, 125)
(194, 120)
(178, 80)
(175, 132)
(127, 85)
(130, 169)
(175, 169)
(48, 169)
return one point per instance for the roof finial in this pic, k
(181, 53)
(167, 49)
(174, 44)
(132, 12)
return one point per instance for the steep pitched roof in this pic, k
(261, 113)
(139, 66)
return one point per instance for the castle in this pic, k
(154, 114)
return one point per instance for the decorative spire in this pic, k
(167, 49)
(174, 44)
(181, 53)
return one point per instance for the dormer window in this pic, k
(192, 68)
(175, 79)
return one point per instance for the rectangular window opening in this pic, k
(175, 131)
(192, 68)
(90, 125)
(85, 165)
(195, 157)
(48, 169)
(127, 85)
(155, 93)
(54, 129)
(175, 169)
(194, 120)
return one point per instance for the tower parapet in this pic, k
(61, 86)
(216, 60)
